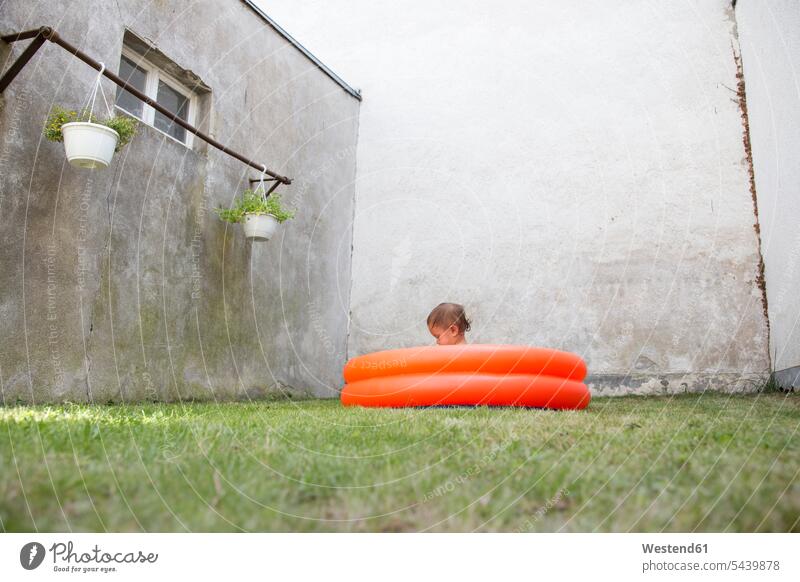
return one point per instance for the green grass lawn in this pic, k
(698, 462)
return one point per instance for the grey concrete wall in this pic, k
(573, 172)
(122, 284)
(769, 36)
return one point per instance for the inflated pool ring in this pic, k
(491, 375)
(456, 389)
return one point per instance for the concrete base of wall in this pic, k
(788, 379)
(669, 384)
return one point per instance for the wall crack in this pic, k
(741, 95)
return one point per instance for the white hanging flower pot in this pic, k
(260, 227)
(259, 213)
(89, 145)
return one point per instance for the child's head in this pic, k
(448, 323)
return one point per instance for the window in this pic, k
(162, 88)
(136, 77)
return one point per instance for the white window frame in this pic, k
(154, 75)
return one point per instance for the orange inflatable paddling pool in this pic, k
(471, 374)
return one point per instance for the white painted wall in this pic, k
(769, 35)
(573, 172)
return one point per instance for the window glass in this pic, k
(174, 102)
(136, 77)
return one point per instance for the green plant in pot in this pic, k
(89, 141)
(259, 214)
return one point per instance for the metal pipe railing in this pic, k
(40, 35)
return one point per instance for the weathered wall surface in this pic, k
(122, 284)
(769, 36)
(573, 172)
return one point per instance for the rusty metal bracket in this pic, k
(45, 33)
(271, 188)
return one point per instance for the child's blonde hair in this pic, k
(446, 314)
